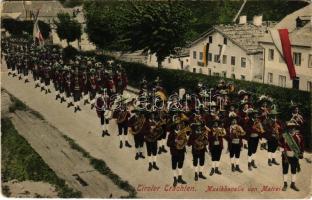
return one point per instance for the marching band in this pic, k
(204, 120)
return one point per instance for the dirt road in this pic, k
(84, 128)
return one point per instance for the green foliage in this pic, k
(19, 161)
(102, 24)
(102, 167)
(71, 3)
(156, 27)
(16, 27)
(67, 28)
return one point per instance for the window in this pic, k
(224, 59)
(297, 58)
(216, 58)
(216, 74)
(310, 61)
(233, 76)
(209, 57)
(232, 60)
(270, 77)
(225, 41)
(194, 54)
(271, 54)
(296, 83)
(200, 55)
(243, 77)
(309, 86)
(209, 72)
(210, 39)
(243, 62)
(224, 74)
(282, 81)
(194, 70)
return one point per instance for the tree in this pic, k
(16, 27)
(67, 28)
(156, 27)
(102, 24)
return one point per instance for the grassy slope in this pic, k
(20, 161)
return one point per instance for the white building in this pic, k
(230, 51)
(300, 35)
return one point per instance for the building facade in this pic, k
(300, 34)
(230, 51)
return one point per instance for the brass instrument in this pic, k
(237, 130)
(201, 141)
(258, 127)
(218, 132)
(138, 125)
(181, 139)
(154, 133)
(122, 115)
(276, 129)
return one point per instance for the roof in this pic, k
(49, 8)
(298, 36)
(289, 21)
(246, 36)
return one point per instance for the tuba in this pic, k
(201, 141)
(122, 116)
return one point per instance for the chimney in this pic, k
(257, 20)
(243, 19)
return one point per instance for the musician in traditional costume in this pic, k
(199, 141)
(215, 139)
(76, 90)
(162, 123)
(264, 112)
(292, 147)
(123, 115)
(235, 136)
(273, 133)
(35, 72)
(85, 87)
(93, 87)
(102, 108)
(254, 131)
(61, 85)
(138, 125)
(68, 87)
(151, 135)
(177, 141)
(296, 116)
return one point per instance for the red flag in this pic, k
(286, 46)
